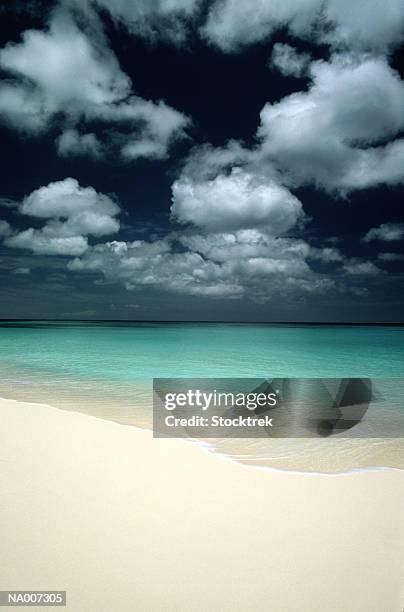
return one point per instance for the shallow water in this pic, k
(106, 369)
(128, 351)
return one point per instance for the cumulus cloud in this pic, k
(341, 134)
(363, 24)
(238, 201)
(247, 261)
(72, 213)
(230, 24)
(66, 199)
(361, 268)
(21, 107)
(233, 23)
(244, 263)
(42, 243)
(72, 143)
(141, 263)
(167, 19)
(333, 135)
(289, 61)
(247, 221)
(244, 245)
(64, 77)
(159, 124)
(205, 162)
(326, 254)
(387, 232)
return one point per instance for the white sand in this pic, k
(124, 522)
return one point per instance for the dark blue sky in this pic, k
(289, 200)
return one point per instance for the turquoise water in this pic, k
(125, 352)
(106, 370)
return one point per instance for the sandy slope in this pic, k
(125, 522)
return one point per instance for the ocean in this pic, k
(106, 369)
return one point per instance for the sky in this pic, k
(232, 160)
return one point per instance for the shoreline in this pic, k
(217, 447)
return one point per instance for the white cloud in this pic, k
(289, 61)
(242, 216)
(71, 142)
(361, 268)
(243, 245)
(238, 201)
(205, 162)
(341, 134)
(156, 265)
(326, 254)
(66, 199)
(72, 213)
(167, 19)
(21, 107)
(233, 23)
(40, 243)
(375, 166)
(64, 77)
(363, 24)
(387, 232)
(66, 80)
(264, 267)
(156, 126)
(228, 265)
(333, 135)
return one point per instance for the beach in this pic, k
(106, 369)
(201, 314)
(124, 522)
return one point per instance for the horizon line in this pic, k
(212, 322)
